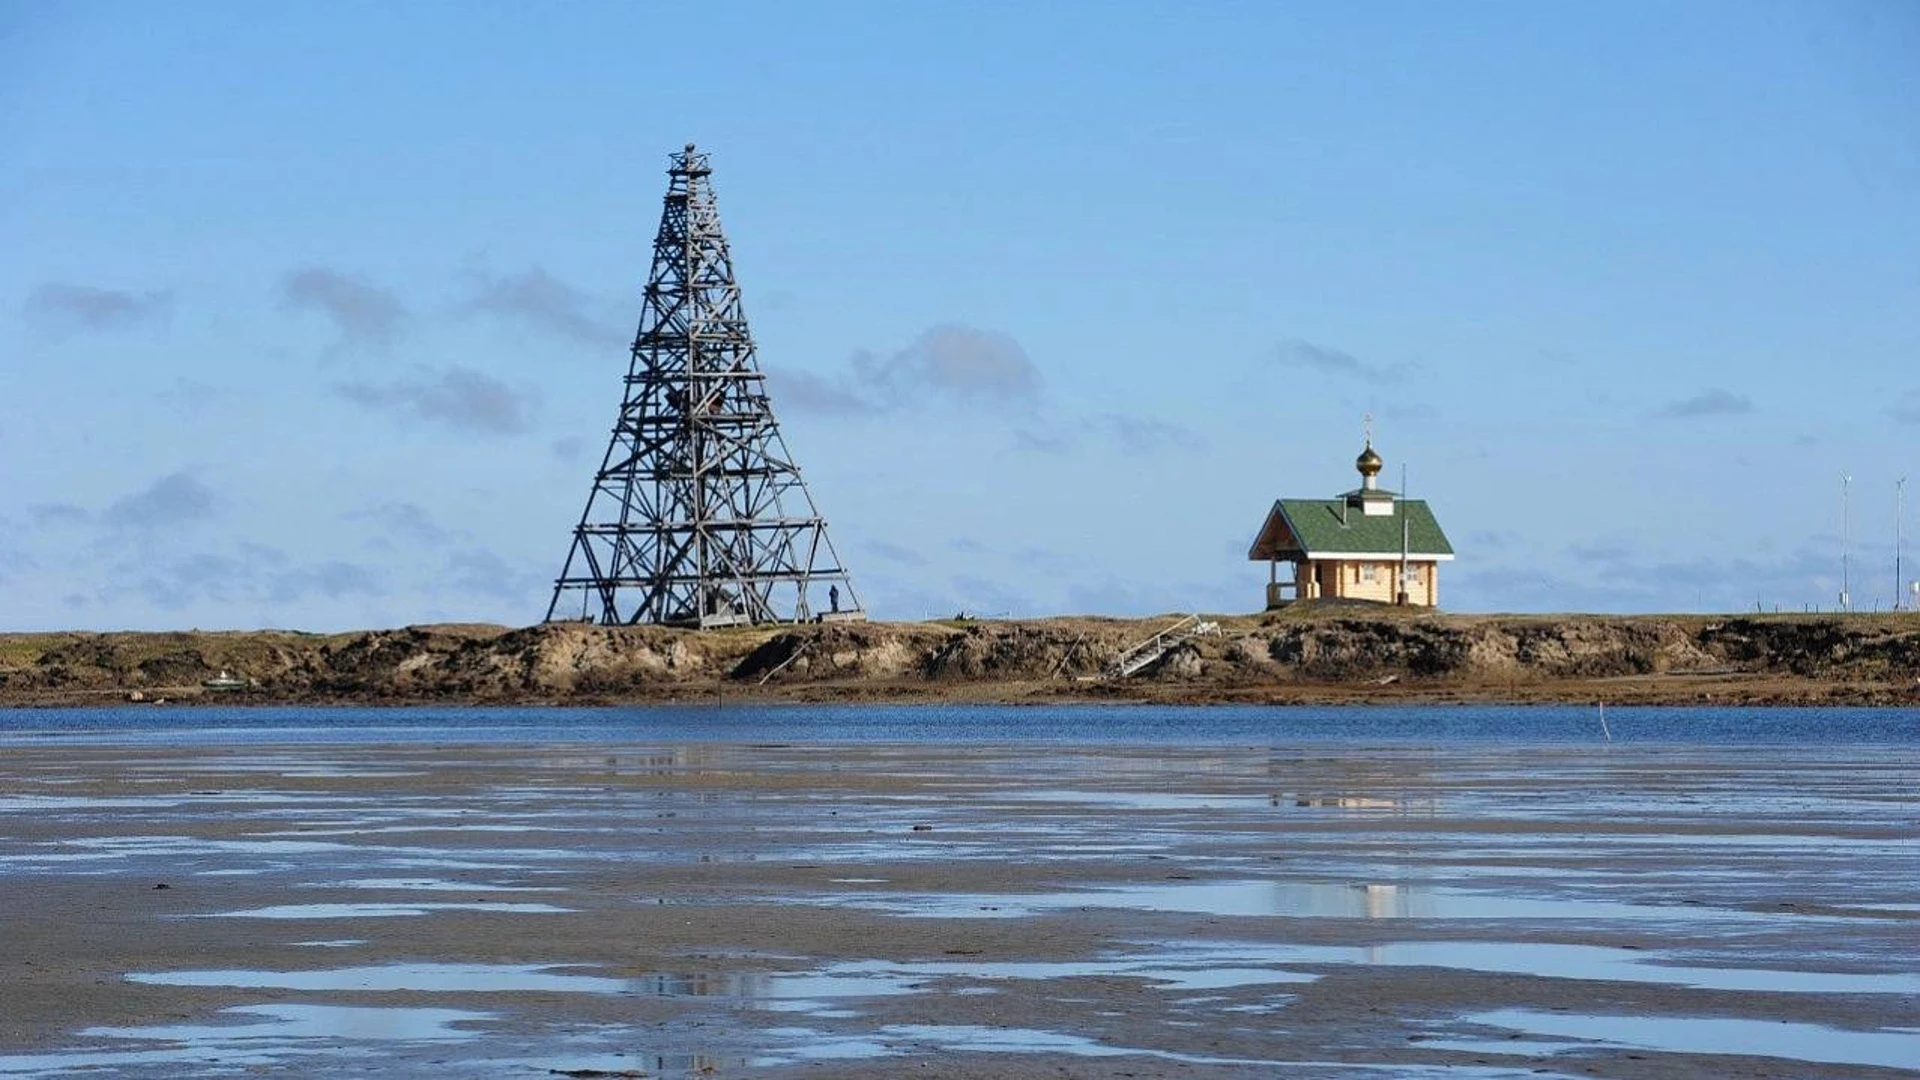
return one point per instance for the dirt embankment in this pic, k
(1290, 657)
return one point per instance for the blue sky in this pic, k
(315, 315)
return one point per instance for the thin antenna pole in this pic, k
(1899, 533)
(1846, 531)
(1404, 594)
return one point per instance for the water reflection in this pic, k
(477, 978)
(379, 911)
(746, 986)
(293, 1021)
(265, 1039)
(1897, 1049)
(1288, 899)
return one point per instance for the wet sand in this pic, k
(959, 911)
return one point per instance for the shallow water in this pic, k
(1297, 899)
(1701, 1035)
(901, 1040)
(378, 910)
(254, 1038)
(1063, 724)
(1215, 870)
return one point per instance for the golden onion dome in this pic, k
(1368, 462)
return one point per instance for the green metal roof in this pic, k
(1315, 527)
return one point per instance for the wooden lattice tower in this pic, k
(698, 516)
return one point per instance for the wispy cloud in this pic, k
(363, 314)
(898, 553)
(333, 579)
(1906, 410)
(1043, 440)
(1635, 580)
(1144, 435)
(804, 391)
(459, 398)
(479, 572)
(1112, 596)
(55, 514)
(403, 520)
(175, 499)
(245, 576)
(13, 557)
(539, 301)
(1130, 434)
(67, 308)
(1710, 402)
(970, 368)
(1306, 356)
(958, 365)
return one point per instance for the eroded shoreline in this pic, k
(1305, 658)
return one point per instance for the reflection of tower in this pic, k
(698, 516)
(1386, 902)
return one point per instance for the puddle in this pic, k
(290, 1021)
(33, 804)
(1137, 800)
(1176, 971)
(1296, 899)
(434, 885)
(268, 1035)
(121, 846)
(423, 827)
(780, 991)
(612, 1064)
(181, 847)
(480, 978)
(903, 1039)
(910, 1038)
(377, 911)
(321, 771)
(334, 943)
(1586, 962)
(1700, 1035)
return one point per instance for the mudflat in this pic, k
(429, 908)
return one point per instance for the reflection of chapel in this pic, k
(1369, 544)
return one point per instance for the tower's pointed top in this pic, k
(689, 162)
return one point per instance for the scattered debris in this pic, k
(225, 682)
